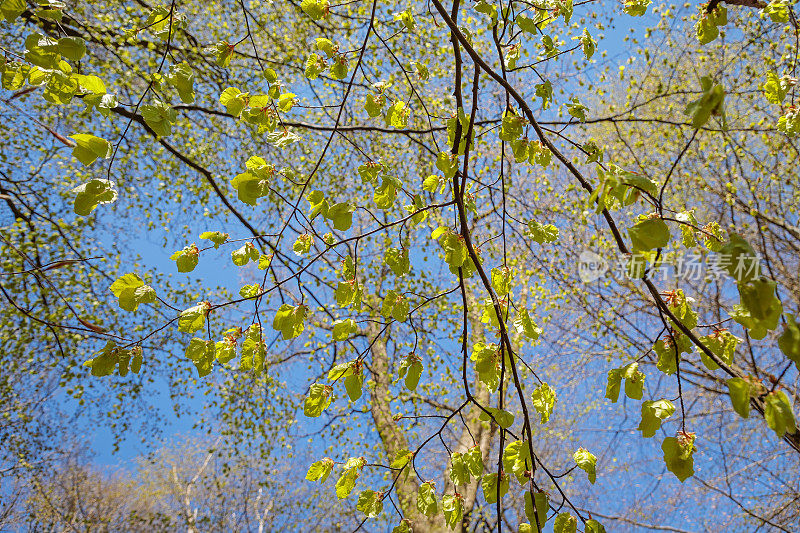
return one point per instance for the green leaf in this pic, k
(347, 481)
(678, 455)
(653, 413)
(775, 88)
(316, 9)
(181, 76)
(398, 261)
(789, 341)
(634, 382)
(131, 291)
(577, 109)
(159, 117)
(778, 413)
(289, 320)
(354, 385)
(586, 462)
(565, 523)
(525, 326)
(669, 352)
(403, 527)
(222, 51)
(723, 344)
(303, 244)
(385, 195)
(491, 486)
(459, 471)
(317, 400)
(72, 48)
(453, 508)
(193, 318)
(502, 281)
(517, 460)
(512, 126)
(202, 353)
(254, 350)
(344, 329)
(92, 194)
(234, 101)
(503, 418)
(250, 291)
(592, 525)
(407, 18)
(739, 259)
(401, 458)
(542, 233)
(246, 253)
(426, 500)
(636, 8)
(315, 65)
(649, 234)
(413, 375)
(777, 11)
(286, 101)
(613, 386)
(448, 164)
(536, 508)
(589, 44)
(544, 91)
(397, 115)
(759, 299)
(739, 391)
(320, 470)
(186, 260)
(225, 350)
(217, 237)
(326, 45)
(88, 148)
(341, 215)
(373, 105)
(11, 9)
(711, 102)
(544, 401)
(370, 503)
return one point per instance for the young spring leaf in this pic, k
(653, 413)
(92, 194)
(778, 413)
(517, 460)
(202, 353)
(370, 503)
(544, 401)
(789, 341)
(318, 399)
(492, 488)
(426, 500)
(739, 391)
(565, 523)
(131, 291)
(186, 259)
(89, 147)
(649, 234)
(503, 418)
(586, 462)
(193, 318)
(678, 455)
(289, 320)
(453, 508)
(320, 470)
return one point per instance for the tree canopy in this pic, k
(527, 266)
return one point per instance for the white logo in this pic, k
(591, 266)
